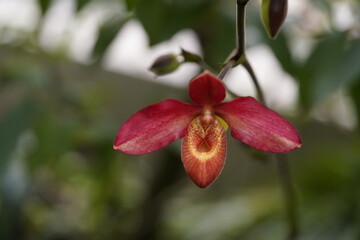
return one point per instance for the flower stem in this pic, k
(239, 56)
(289, 195)
(226, 69)
(239, 52)
(240, 27)
(282, 161)
(259, 91)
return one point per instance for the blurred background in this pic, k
(72, 71)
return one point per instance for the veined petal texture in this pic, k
(257, 126)
(155, 127)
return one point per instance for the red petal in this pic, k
(261, 128)
(155, 127)
(206, 89)
(203, 152)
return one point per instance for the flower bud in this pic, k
(165, 64)
(273, 15)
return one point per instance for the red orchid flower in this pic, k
(203, 125)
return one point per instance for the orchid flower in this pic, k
(203, 126)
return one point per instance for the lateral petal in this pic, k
(155, 127)
(206, 89)
(203, 152)
(252, 123)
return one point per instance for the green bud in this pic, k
(273, 15)
(165, 64)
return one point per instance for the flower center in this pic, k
(203, 139)
(207, 121)
(207, 117)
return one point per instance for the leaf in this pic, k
(281, 50)
(12, 126)
(161, 19)
(81, 3)
(130, 4)
(217, 33)
(214, 23)
(319, 62)
(107, 33)
(355, 94)
(332, 65)
(157, 19)
(44, 5)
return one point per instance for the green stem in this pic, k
(240, 33)
(251, 72)
(287, 185)
(283, 167)
(240, 28)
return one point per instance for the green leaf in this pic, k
(281, 50)
(44, 5)
(355, 94)
(214, 23)
(161, 18)
(344, 72)
(322, 57)
(217, 34)
(12, 126)
(157, 19)
(107, 33)
(130, 4)
(279, 47)
(81, 3)
(332, 65)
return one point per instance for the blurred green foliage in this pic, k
(61, 179)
